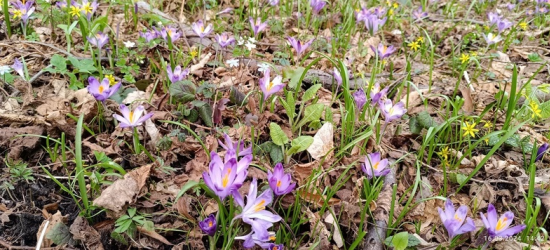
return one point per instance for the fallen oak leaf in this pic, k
(317, 199)
(123, 191)
(154, 235)
(323, 142)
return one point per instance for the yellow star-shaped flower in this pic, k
(464, 58)
(194, 52)
(473, 54)
(75, 11)
(420, 39)
(470, 129)
(444, 153)
(536, 110)
(523, 25)
(488, 124)
(111, 78)
(87, 8)
(414, 45)
(17, 14)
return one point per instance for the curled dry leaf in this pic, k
(54, 219)
(316, 199)
(154, 235)
(82, 231)
(123, 191)
(337, 234)
(323, 142)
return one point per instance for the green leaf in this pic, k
(183, 91)
(400, 241)
(205, 112)
(59, 62)
(414, 125)
(276, 154)
(294, 75)
(545, 110)
(265, 147)
(190, 184)
(149, 226)
(83, 66)
(312, 112)
(75, 84)
(311, 92)
(461, 179)
(413, 241)
(300, 144)
(278, 136)
(425, 120)
(60, 234)
(119, 237)
(121, 94)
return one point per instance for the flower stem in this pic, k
(137, 146)
(7, 18)
(212, 243)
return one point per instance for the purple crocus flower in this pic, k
(503, 24)
(511, 6)
(254, 212)
(99, 40)
(252, 239)
(376, 94)
(337, 76)
(200, 30)
(419, 14)
(373, 22)
(102, 91)
(223, 178)
(242, 165)
(176, 75)
(317, 5)
(270, 87)
(171, 32)
(130, 119)
(298, 45)
(280, 182)
(273, 2)
(360, 99)
(257, 26)
(540, 152)
(23, 10)
(456, 222)
(500, 227)
(392, 112)
(374, 166)
(225, 39)
(383, 51)
(18, 67)
(208, 225)
(494, 18)
(149, 35)
(234, 147)
(274, 246)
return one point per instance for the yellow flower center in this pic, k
(272, 238)
(501, 223)
(458, 218)
(101, 89)
(210, 223)
(278, 183)
(225, 180)
(384, 50)
(270, 85)
(260, 206)
(376, 165)
(131, 116)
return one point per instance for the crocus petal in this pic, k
(512, 231)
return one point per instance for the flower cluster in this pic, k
(22, 10)
(373, 18)
(163, 32)
(456, 222)
(225, 178)
(390, 111)
(87, 8)
(496, 20)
